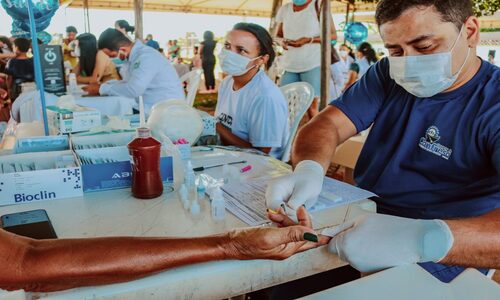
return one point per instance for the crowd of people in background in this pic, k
(251, 110)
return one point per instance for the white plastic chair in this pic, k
(299, 95)
(193, 80)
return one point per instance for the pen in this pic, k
(215, 166)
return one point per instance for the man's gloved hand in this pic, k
(301, 187)
(374, 242)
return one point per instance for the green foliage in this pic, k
(486, 7)
(481, 7)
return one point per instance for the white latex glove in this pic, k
(374, 242)
(301, 187)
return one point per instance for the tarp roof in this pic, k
(255, 8)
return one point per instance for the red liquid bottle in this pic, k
(145, 159)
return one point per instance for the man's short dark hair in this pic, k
(112, 39)
(71, 29)
(454, 11)
(22, 44)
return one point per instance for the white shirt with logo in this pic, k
(257, 113)
(149, 74)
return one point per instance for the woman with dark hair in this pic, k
(124, 27)
(94, 66)
(6, 51)
(5, 45)
(251, 110)
(365, 57)
(207, 48)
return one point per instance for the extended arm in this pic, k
(228, 138)
(50, 265)
(476, 241)
(142, 73)
(331, 127)
(7, 55)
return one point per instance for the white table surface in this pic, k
(117, 213)
(27, 107)
(411, 282)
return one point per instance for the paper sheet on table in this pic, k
(336, 193)
(247, 200)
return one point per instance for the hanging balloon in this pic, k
(43, 11)
(355, 32)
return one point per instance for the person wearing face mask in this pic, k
(149, 73)
(433, 153)
(6, 51)
(346, 59)
(94, 66)
(251, 110)
(299, 30)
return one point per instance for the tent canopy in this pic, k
(254, 8)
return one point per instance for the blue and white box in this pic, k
(109, 168)
(73, 120)
(40, 176)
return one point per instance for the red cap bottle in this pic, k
(145, 159)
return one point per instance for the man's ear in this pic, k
(472, 30)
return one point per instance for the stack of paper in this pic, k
(247, 200)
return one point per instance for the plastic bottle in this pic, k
(73, 86)
(189, 176)
(218, 205)
(145, 159)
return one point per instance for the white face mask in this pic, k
(234, 64)
(425, 75)
(343, 53)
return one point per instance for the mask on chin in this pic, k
(425, 75)
(121, 55)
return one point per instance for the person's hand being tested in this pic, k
(281, 219)
(275, 243)
(301, 187)
(375, 241)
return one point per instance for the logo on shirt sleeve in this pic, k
(225, 120)
(430, 143)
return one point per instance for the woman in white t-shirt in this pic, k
(299, 26)
(251, 110)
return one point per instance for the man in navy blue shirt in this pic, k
(433, 153)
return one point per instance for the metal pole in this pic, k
(347, 16)
(276, 6)
(38, 65)
(138, 8)
(86, 18)
(326, 50)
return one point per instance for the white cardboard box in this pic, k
(49, 184)
(75, 120)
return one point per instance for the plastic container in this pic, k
(72, 86)
(218, 205)
(145, 159)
